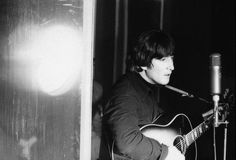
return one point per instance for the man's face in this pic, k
(160, 70)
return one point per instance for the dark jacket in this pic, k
(133, 103)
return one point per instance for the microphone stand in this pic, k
(225, 138)
(217, 122)
(215, 99)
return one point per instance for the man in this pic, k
(134, 102)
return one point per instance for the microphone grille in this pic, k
(215, 59)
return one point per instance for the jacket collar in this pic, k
(141, 85)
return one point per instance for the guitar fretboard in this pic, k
(196, 132)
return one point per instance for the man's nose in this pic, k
(171, 65)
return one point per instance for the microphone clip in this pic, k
(216, 99)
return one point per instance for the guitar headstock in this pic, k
(226, 104)
(228, 97)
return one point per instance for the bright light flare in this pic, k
(54, 56)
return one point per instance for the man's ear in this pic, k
(144, 68)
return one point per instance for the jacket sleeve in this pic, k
(122, 119)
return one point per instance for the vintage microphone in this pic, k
(215, 80)
(215, 91)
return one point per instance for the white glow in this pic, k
(53, 58)
(58, 61)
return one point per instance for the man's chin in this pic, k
(164, 82)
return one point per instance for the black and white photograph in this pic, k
(117, 80)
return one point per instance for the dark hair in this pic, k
(151, 44)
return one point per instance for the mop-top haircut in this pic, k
(151, 44)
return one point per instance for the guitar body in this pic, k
(171, 130)
(176, 131)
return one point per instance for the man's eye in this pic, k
(167, 58)
(163, 59)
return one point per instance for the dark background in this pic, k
(200, 28)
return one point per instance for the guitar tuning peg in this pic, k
(225, 93)
(228, 97)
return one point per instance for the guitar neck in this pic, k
(193, 135)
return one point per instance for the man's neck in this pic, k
(145, 77)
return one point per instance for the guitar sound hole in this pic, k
(180, 144)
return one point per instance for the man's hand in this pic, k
(174, 154)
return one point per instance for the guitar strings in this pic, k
(178, 144)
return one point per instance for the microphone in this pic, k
(215, 71)
(183, 93)
(215, 89)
